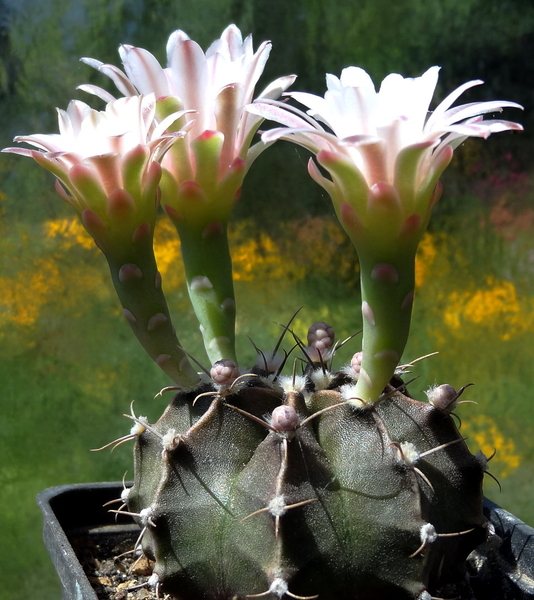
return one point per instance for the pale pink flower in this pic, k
(213, 89)
(106, 162)
(382, 142)
(107, 166)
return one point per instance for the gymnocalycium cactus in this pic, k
(330, 484)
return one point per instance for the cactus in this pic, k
(286, 487)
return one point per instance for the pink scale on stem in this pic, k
(208, 134)
(173, 214)
(121, 205)
(142, 233)
(350, 218)
(385, 195)
(130, 272)
(212, 230)
(190, 190)
(407, 303)
(368, 313)
(156, 321)
(385, 273)
(128, 315)
(410, 228)
(93, 223)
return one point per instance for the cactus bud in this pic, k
(320, 341)
(443, 397)
(356, 363)
(224, 372)
(284, 419)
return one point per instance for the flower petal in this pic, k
(466, 111)
(176, 38)
(228, 110)
(144, 71)
(285, 114)
(311, 139)
(190, 80)
(449, 101)
(96, 91)
(276, 87)
(116, 75)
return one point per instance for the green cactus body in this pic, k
(240, 498)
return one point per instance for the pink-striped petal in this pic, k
(99, 92)
(144, 70)
(176, 38)
(466, 111)
(445, 104)
(284, 114)
(116, 75)
(190, 80)
(227, 115)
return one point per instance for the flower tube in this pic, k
(204, 170)
(107, 166)
(384, 153)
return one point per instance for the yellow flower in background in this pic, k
(485, 435)
(496, 306)
(258, 257)
(319, 243)
(168, 256)
(23, 295)
(426, 254)
(69, 232)
(497, 301)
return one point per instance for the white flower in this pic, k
(386, 137)
(105, 160)
(213, 87)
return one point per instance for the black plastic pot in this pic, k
(75, 515)
(502, 570)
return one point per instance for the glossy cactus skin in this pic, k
(350, 504)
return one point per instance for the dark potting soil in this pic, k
(113, 571)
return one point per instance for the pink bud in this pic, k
(320, 341)
(284, 418)
(224, 372)
(443, 397)
(356, 362)
(321, 336)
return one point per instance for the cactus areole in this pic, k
(285, 489)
